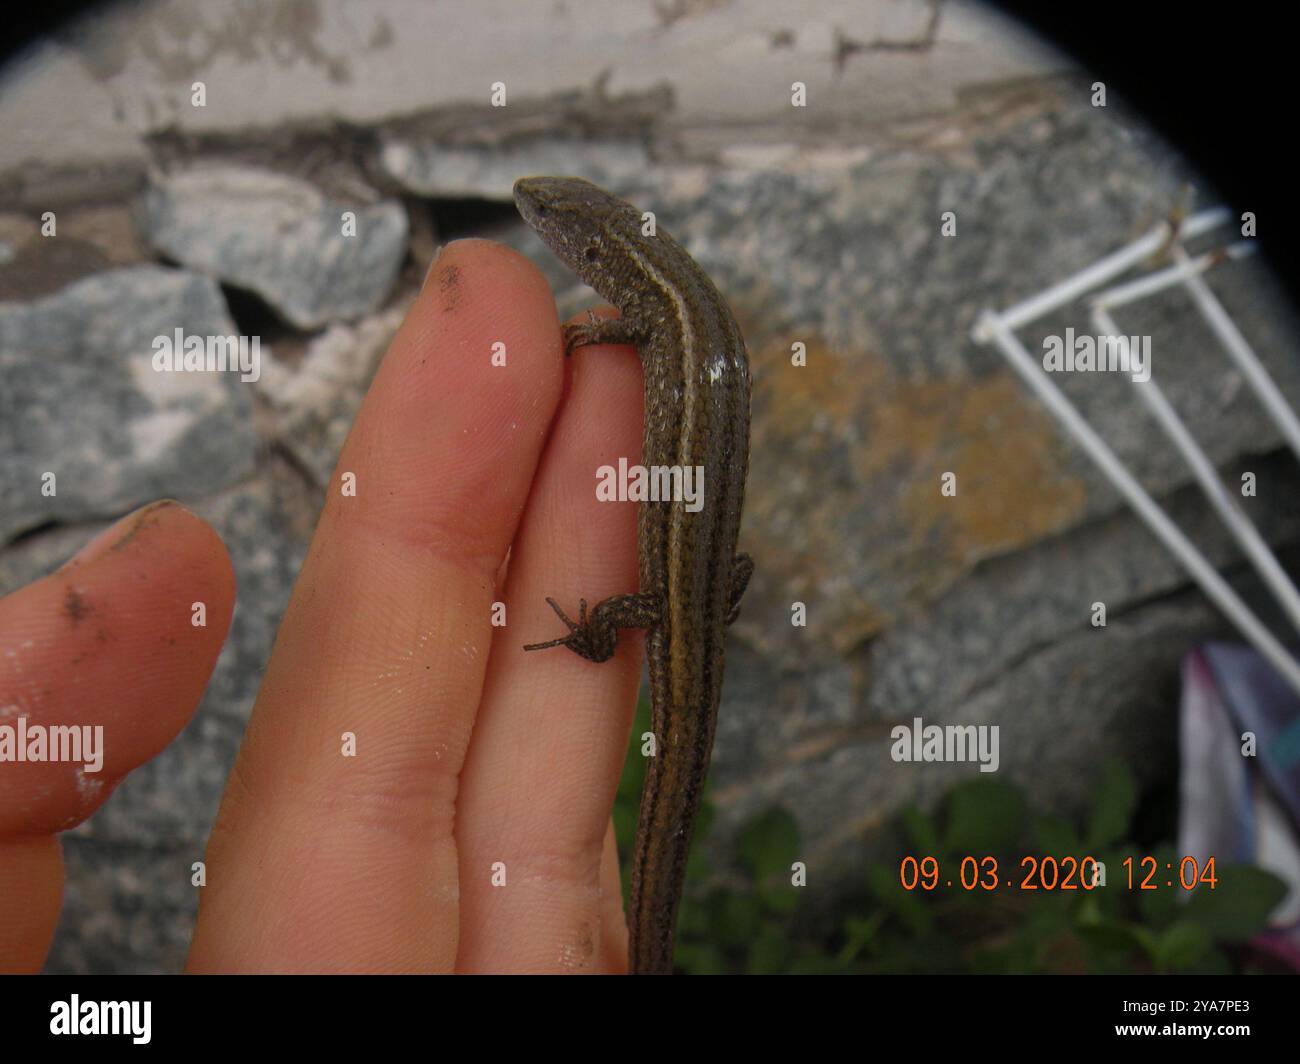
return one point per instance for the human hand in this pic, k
(468, 752)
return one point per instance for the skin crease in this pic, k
(470, 753)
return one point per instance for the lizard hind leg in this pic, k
(742, 568)
(571, 625)
(594, 635)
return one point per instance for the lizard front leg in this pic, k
(598, 330)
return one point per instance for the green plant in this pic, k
(725, 926)
(1113, 928)
(750, 921)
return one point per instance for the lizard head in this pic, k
(582, 224)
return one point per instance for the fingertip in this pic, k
(117, 645)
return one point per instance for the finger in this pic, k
(108, 643)
(101, 665)
(31, 891)
(326, 857)
(552, 732)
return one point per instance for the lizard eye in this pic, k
(591, 253)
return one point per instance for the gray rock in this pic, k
(1016, 606)
(1061, 711)
(973, 609)
(81, 400)
(126, 909)
(852, 264)
(428, 168)
(279, 237)
(258, 531)
(314, 401)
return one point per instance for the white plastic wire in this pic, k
(1243, 355)
(999, 328)
(1172, 275)
(1214, 586)
(1103, 270)
(1223, 501)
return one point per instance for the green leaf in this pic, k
(922, 832)
(1057, 837)
(859, 933)
(811, 962)
(885, 885)
(699, 860)
(627, 800)
(1239, 905)
(1112, 811)
(1117, 936)
(779, 895)
(1214, 962)
(696, 958)
(1180, 946)
(697, 916)
(984, 816)
(770, 953)
(1114, 898)
(1014, 957)
(1088, 909)
(736, 919)
(769, 844)
(629, 784)
(625, 829)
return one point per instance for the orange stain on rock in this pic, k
(847, 425)
(1012, 488)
